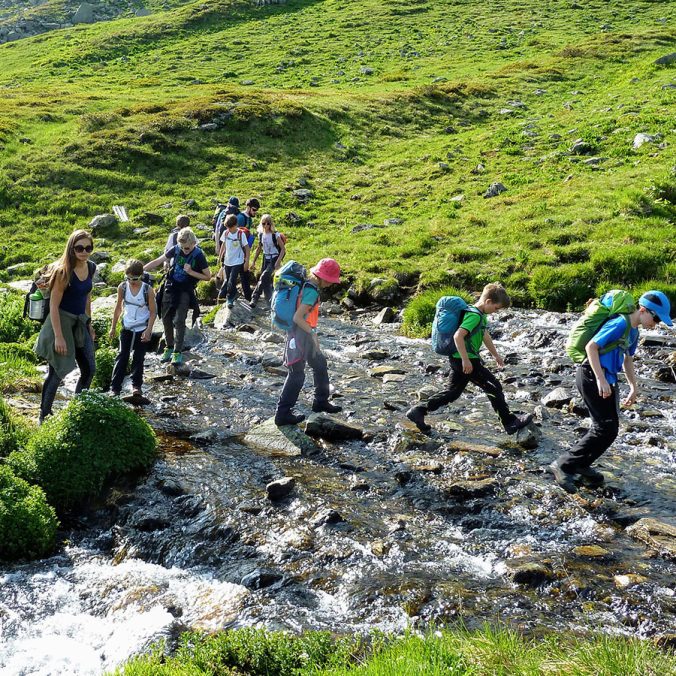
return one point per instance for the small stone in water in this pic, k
(630, 580)
(280, 488)
(593, 551)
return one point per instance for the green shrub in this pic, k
(14, 328)
(14, 430)
(101, 324)
(625, 265)
(419, 313)
(206, 291)
(75, 451)
(105, 361)
(18, 371)
(27, 523)
(561, 288)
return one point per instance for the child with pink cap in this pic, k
(302, 346)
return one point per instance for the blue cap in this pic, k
(657, 302)
(234, 201)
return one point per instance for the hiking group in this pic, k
(602, 343)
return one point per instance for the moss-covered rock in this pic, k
(75, 451)
(27, 523)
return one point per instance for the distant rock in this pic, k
(386, 316)
(495, 189)
(143, 11)
(393, 221)
(642, 138)
(666, 60)
(581, 147)
(303, 195)
(84, 14)
(365, 70)
(103, 224)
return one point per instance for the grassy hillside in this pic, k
(401, 110)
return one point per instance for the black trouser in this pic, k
(481, 377)
(296, 375)
(86, 361)
(264, 285)
(229, 288)
(174, 315)
(605, 415)
(129, 340)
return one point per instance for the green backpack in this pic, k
(598, 312)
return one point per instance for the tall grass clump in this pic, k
(18, 370)
(419, 313)
(14, 430)
(562, 288)
(75, 451)
(14, 327)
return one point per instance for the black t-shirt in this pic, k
(196, 259)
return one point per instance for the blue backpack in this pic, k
(289, 283)
(447, 319)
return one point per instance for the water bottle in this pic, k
(36, 305)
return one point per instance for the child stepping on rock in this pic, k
(462, 345)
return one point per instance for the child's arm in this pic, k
(152, 306)
(488, 342)
(282, 253)
(459, 338)
(631, 379)
(592, 351)
(256, 254)
(153, 264)
(116, 313)
(247, 251)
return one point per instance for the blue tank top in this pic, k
(75, 296)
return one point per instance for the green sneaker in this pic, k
(166, 355)
(177, 358)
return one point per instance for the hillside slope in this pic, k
(395, 116)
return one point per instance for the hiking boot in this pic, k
(519, 422)
(166, 355)
(591, 477)
(137, 392)
(282, 419)
(417, 416)
(565, 480)
(231, 304)
(325, 407)
(177, 358)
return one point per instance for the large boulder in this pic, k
(326, 426)
(84, 14)
(288, 441)
(103, 224)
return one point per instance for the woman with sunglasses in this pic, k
(67, 337)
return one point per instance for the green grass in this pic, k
(486, 652)
(109, 114)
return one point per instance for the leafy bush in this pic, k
(625, 265)
(105, 361)
(75, 451)
(27, 523)
(419, 313)
(14, 430)
(14, 328)
(561, 288)
(101, 324)
(206, 291)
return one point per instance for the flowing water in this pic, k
(391, 531)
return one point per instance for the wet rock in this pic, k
(171, 487)
(259, 579)
(327, 517)
(529, 437)
(149, 522)
(577, 406)
(272, 360)
(656, 534)
(380, 548)
(288, 441)
(629, 580)
(375, 355)
(386, 316)
(279, 489)
(472, 489)
(467, 447)
(591, 551)
(274, 338)
(326, 426)
(234, 317)
(393, 378)
(495, 189)
(529, 574)
(665, 374)
(136, 400)
(250, 507)
(380, 371)
(557, 398)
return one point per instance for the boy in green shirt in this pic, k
(466, 365)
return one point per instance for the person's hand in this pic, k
(467, 366)
(60, 346)
(604, 388)
(277, 266)
(187, 268)
(630, 399)
(145, 336)
(111, 334)
(92, 333)
(246, 267)
(499, 361)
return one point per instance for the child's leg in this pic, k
(180, 318)
(317, 362)
(605, 424)
(457, 382)
(140, 348)
(121, 361)
(292, 387)
(84, 356)
(246, 287)
(231, 272)
(51, 385)
(267, 276)
(484, 379)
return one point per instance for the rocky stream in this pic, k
(362, 523)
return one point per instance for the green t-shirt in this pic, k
(474, 322)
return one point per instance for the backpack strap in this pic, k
(473, 310)
(622, 342)
(91, 268)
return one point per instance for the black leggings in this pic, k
(605, 417)
(481, 377)
(84, 356)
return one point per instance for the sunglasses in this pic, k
(81, 248)
(134, 278)
(656, 319)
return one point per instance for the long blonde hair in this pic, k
(261, 225)
(63, 268)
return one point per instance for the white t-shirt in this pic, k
(269, 248)
(136, 310)
(234, 247)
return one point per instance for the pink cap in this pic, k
(328, 270)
